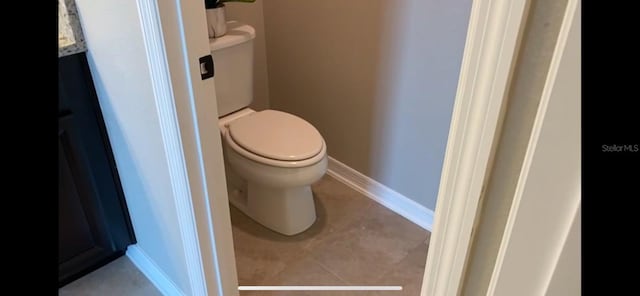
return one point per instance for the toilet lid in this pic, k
(276, 135)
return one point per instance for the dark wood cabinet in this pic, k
(93, 221)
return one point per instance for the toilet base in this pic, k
(288, 211)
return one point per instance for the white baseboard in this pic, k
(384, 195)
(155, 275)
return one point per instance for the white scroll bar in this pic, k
(320, 288)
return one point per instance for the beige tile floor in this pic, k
(354, 241)
(119, 277)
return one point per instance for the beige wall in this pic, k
(377, 78)
(537, 45)
(251, 13)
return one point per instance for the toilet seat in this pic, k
(276, 138)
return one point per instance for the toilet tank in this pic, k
(233, 67)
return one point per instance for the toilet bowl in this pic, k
(271, 159)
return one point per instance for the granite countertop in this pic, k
(70, 37)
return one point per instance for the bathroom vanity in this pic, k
(93, 221)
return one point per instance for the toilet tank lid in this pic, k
(237, 33)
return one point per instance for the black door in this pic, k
(93, 221)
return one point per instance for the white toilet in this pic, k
(271, 157)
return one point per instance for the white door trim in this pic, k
(543, 186)
(165, 106)
(175, 36)
(490, 52)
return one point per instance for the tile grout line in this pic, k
(298, 257)
(329, 270)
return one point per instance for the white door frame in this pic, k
(544, 187)
(175, 36)
(489, 57)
